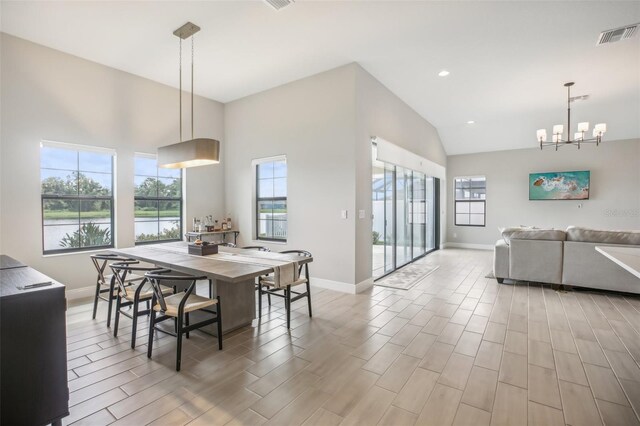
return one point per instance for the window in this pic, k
(470, 203)
(157, 201)
(271, 199)
(77, 197)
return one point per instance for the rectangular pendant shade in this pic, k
(191, 153)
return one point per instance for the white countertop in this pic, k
(626, 257)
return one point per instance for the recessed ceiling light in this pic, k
(471, 122)
(443, 73)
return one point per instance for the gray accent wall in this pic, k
(614, 196)
(47, 94)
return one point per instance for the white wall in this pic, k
(312, 122)
(47, 94)
(614, 196)
(381, 113)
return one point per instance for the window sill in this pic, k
(282, 243)
(71, 253)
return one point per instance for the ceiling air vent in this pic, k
(617, 34)
(279, 4)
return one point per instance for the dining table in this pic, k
(232, 273)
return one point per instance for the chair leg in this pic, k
(95, 300)
(179, 349)
(287, 305)
(117, 320)
(269, 298)
(134, 327)
(186, 323)
(152, 321)
(210, 289)
(309, 296)
(219, 316)
(110, 299)
(259, 302)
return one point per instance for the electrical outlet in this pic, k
(455, 235)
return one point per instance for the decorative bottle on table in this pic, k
(229, 225)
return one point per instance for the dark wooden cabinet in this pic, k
(33, 352)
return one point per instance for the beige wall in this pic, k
(614, 197)
(381, 113)
(312, 122)
(47, 94)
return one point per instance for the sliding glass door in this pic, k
(404, 207)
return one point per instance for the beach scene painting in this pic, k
(559, 185)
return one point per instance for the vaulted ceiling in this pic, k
(508, 60)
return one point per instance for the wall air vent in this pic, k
(617, 34)
(279, 4)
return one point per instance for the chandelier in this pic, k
(579, 137)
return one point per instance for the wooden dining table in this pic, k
(232, 272)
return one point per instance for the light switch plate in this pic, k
(361, 214)
(343, 214)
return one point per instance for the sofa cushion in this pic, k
(519, 233)
(587, 235)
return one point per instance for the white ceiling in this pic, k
(508, 59)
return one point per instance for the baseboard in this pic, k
(81, 293)
(364, 285)
(334, 285)
(469, 246)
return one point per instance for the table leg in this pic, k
(238, 302)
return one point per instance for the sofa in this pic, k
(564, 257)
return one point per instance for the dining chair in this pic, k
(133, 295)
(273, 288)
(257, 287)
(177, 307)
(227, 244)
(260, 248)
(105, 282)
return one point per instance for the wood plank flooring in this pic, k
(458, 348)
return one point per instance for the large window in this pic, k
(77, 197)
(470, 201)
(158, 201)
(271, 199)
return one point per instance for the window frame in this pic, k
(256, 167)
(457, 200)
(77, 148)
(158, 200)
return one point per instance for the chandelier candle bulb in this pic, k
(578, 136)
(542, 135)
(557, 138)
(583, 127)
(601, 128)
(558, 129)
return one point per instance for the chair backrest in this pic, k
(156, 278)
(303, 253)
(101, 260)
(122, 269)
(227, 244)
(261, 248)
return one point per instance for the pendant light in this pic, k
(196, 151)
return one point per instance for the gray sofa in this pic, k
(564, 257)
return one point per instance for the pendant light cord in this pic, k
(180, 90)
(192, 37)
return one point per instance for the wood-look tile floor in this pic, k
(457, 348)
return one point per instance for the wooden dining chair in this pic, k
(106, 282)
(177, 307)
(260, 248)
(272, 288)
(132, 295)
